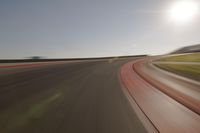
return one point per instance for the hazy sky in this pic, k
(90, 28)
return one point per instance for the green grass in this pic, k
(186, 70)
(194, 57)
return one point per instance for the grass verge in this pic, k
(186, 70)
(192, 57)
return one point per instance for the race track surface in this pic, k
(81, 97)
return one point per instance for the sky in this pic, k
(91, 28)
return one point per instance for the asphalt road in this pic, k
(66, 98)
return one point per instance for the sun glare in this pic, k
(183, 11)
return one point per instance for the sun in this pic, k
(183, 11)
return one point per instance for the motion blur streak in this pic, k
(84, 97)
(165, 113)
(183, 90)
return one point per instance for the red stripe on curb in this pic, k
(21, 65)
(35, 64)
(166, 114)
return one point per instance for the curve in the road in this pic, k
(165, 113)
(183, 91)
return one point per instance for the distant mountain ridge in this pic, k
(188, 49)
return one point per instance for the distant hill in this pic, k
(188, 49)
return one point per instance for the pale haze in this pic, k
(91, 28)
